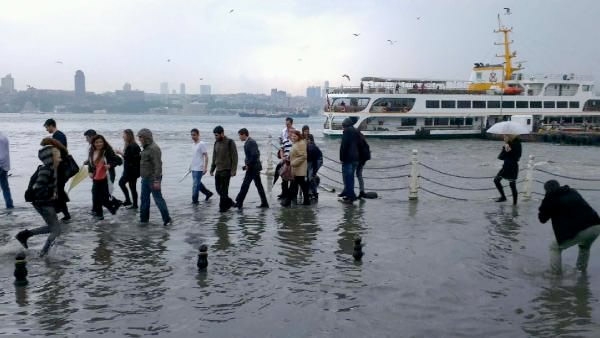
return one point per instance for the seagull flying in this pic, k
(168, 60)
(356, 34)
(230, 11)
(391, 42)
(59, 62)
(201, 78)
(346, 76)
(418, 18)
(299, 59)
(507, 11)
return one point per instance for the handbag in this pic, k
(286, 172)
(71, 168)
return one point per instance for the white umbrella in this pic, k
(508, 127)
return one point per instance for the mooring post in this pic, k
(413, 188)
(270, 171)
(529, 178)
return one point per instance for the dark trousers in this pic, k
(5, 189)
(101, 197)
(222, 178)
(513, 188)
(52, 226)
(132, 182)
(293, 191)
(251, 175)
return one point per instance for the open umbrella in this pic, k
(80, 176)
(508, 127)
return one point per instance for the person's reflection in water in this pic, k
(502, 241)
(102, 253)
(350, 226)
(253, 226)
(222, 232)
(53, 301)
(297, 230)
(562, 310)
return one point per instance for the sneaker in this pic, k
(362, 195)
(208, 196)
(501, 199)
(341, 194)
(66, 218)
(23, 236)
(168, 223)
(195, 202)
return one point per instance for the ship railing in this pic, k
(569, 76)
(422, 177)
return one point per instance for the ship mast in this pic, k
(508, 56)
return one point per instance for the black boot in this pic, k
(500, 189)
(515, 194)
(23, 236)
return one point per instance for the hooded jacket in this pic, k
(150, 157)
(42, 185)
(569, 212)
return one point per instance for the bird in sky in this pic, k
(230, 11)
(356, 34)
(299, 59)
(346, 76)
(418, 18)
(507, 11)
(201, 78)
(391, 42)
(168, 60)
(59, 62)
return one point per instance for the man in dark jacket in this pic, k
(349, 159)
(252, 167)
(224, 162)
(151, 173)
(573, 220)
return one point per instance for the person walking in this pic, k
(252, 167)
(41, 191)
(58, 135)
(574, 222)
(4, 169)
(63, 198)
(131, 169)
(223, 166)
(510, 154)
(89, 135)
(314, 160)
(298, 161)
(198, 167)
(101, 158)
(350, 158)
(151, 173)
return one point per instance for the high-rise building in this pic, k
(313, 92)
(7, 84)
(79, 83)
(325, 88)
(182, 89)
(164, 88)
(205, 89)
(127, 87)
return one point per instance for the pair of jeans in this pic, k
(313, 168)
(584, 240)
(348, 171)
(359, 176)
(48, 213)
(147, 189)
(5, 189)
(197, 186)
(222, 178)
(132, 182)
(251, 175)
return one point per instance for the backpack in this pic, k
(314, 153)
(364, 152)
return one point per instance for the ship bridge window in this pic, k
(409, 121)
(535, 104)
(522, 104)
(396, 104)
(548, 104)
(478, 76)
(561, 104)
(441, 121)
(493, 104)
(508, 104)
(432, 104)
(585, 88)
(591, 105)
(463, 104)
(350, 104)
(448, 104)
(478, 104)
(573, 104)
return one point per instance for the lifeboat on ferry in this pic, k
(512, 90)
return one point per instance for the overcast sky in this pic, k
(283, 44)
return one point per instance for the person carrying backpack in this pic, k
(364, 154)
(42, 193)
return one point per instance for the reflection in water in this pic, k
(297, 231)
(503, 230)
(349, 227)
(54, 302)
(253, 226)
(21, 295)
(561, 309)
(222, 232)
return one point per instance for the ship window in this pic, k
(522, 104)
(591, 105)
(578, 119)
(469, 121)
(478, 75)
(585, 88)
(409, 121)
(535, 104)
(448, 104)
(508, 104)
(574, 104)
(457, 121)
(432, 104)
(493, 104)
(463, 104)
(400, 104)
(548, 104)
(561, 104)
(349, 104)
(441, 121)
(478, 104)
(428, 121)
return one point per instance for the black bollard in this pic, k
(20, 270)
(357, 253)
(202, 257)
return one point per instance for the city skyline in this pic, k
(290, 45)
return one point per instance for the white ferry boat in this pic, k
(403, 107)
